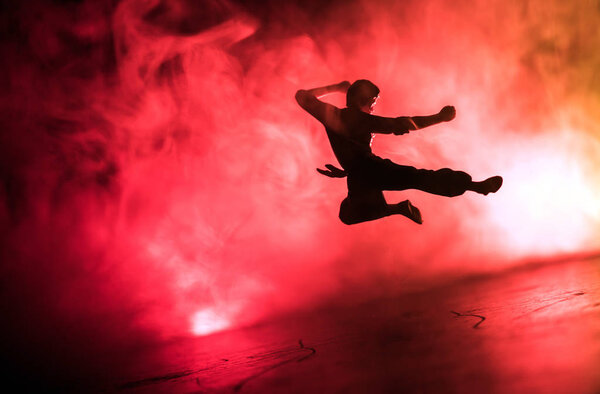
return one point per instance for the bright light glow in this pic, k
(207, 321)
(548, 203)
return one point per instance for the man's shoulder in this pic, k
(354, 114)
(356, 120)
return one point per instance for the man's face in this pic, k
(370, 105)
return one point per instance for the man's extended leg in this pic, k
(445, 182)
(451, 183)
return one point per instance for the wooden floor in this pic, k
(532, 329)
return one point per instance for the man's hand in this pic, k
(447, 113)
(344, 86)
(332, 171)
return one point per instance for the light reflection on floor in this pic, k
(531, 329)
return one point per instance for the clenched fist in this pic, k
(448, 113)
(344, 86)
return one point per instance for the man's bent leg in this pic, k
(366, 202)
(353, 211)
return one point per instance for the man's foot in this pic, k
(490, 185)
(405, 208)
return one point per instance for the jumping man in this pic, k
(350, 134)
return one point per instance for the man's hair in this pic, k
(360, 92)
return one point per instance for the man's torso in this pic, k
(349, 137)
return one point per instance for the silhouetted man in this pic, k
(350, 134)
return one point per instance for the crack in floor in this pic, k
(458, 314)
(241, 384)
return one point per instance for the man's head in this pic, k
(362, 95)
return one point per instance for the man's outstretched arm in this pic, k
(445, 115)
(309, 101)
(404, 124)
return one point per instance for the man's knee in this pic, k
(348, 219)
(347, 214)
(351, 213)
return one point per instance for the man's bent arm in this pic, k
(309, 101)
(341, 87)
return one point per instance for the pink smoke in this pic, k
(159, 177)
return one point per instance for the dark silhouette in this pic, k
(350, 134)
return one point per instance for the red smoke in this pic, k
(159, 177)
